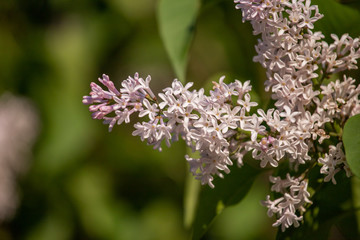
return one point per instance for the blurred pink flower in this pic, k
(19, 126)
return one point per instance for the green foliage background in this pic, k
(86, 183)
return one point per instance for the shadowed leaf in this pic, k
(177, 24)
(228, 191)
(351, 138)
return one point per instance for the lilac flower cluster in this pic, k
(222, 127)
(295, 197)
(297, 63)
(208, 124)
(333, 162)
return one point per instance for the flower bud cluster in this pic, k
(120, 103)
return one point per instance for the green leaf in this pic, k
(351, 139)
(228, 191)
(177, 24)
(338, 18)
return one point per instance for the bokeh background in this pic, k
(82, 182)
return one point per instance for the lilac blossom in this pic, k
(222, 126)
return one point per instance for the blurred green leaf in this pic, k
(242, 221)
(68, 131)
(177, 24)
(54, 226)
(161, 221)
(351, 139)
(90, 189)
(338, 18)
(228, 191)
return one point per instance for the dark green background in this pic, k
(86, 183)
